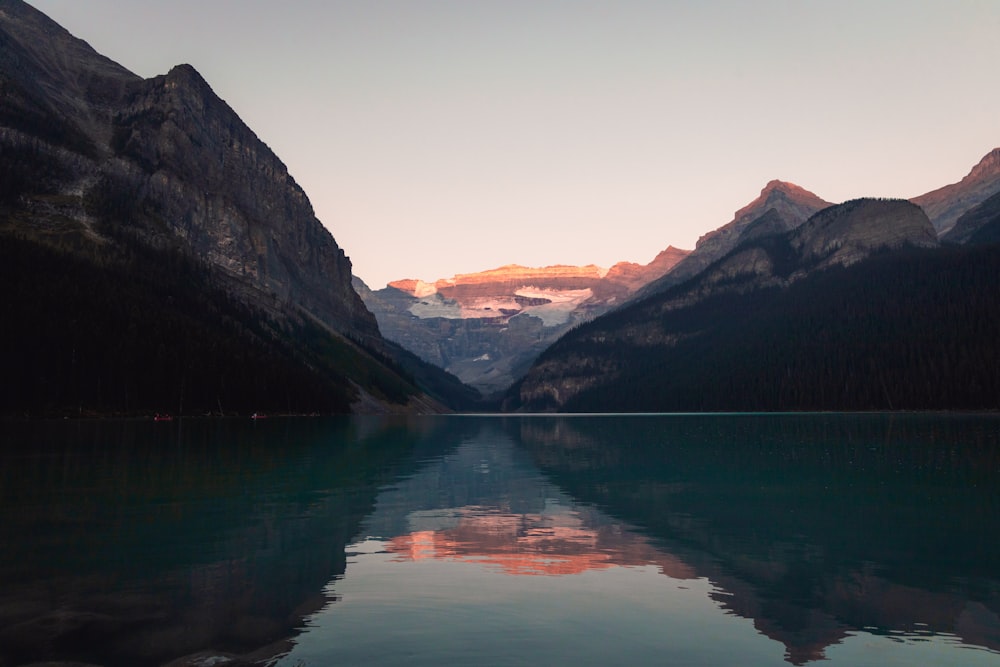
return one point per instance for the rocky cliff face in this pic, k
(173, 162)
(224, 194)
(635, 276)
(980, 224)
(852, 231)
(56, 82)
(781, 206)
(486, 328)
(947, 204)
(839, 235)
(98, 161)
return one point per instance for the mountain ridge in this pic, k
(791, 206)
(980, 224)
(946, 204)
(487, 327)
(99, 162)
(103, 170)
(623, 345)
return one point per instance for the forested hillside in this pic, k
(156, 255)
(907, 330)
(137, 330)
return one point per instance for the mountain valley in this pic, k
(486, 328)
(158, 256)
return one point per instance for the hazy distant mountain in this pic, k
(780, 207)
(946, 205)
(855, 309)
(486, 328)
(203, 256)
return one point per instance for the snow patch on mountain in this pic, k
(557, 308)
(435, 305)
(422, 289)
(561, 304)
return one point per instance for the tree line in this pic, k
(908, 330)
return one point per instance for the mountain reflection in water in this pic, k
(815, 527)
(535, 544)
(861, 539)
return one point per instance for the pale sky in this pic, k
(437, 137)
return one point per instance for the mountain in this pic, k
(781, 206)
(980, 224)
(486, 328)
(945, 205)
(191, 245)
(856, 309)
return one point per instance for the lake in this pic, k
(869, 539)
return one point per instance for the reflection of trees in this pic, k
(812, 526)
(131, 543)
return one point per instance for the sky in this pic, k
(438, 137)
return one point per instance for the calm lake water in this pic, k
(460, 540)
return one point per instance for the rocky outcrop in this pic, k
(55, 82)
(225, 195)
(635, 276)
(847, 233)
(781, 206)
(945, 205)
(980, 224)
(486, 328)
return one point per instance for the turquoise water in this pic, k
(677, 540)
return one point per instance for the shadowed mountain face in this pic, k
(159, 189)
(980, 224)
(780, 207)
(947, 204)
(855, 309)
(486, 328)
(168, 159)
(228, 197)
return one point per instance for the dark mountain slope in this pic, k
(54, 85)
(856, 309)
(980, 224)
(124, 180)
(152, 331)
(914, 329)
(197, 167)
(946, 205)
(780, 207)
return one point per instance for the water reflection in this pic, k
(816, 529)
(644, 540)
(134, 543)
(487, 503)
(813, 527)
(553, 543)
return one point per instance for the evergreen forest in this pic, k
(138, 330)
(915, 329)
